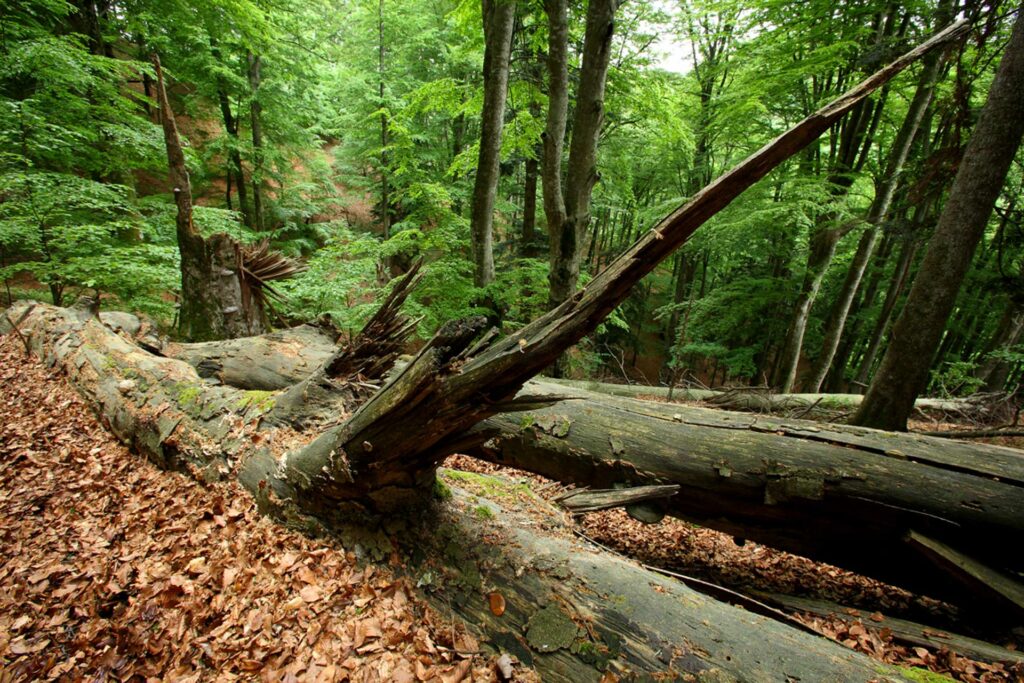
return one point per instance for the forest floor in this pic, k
(111, 568)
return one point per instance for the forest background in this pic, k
(350, 135)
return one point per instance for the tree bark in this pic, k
(499, 20)
(844, 495)
(903, 373)
(216, 300)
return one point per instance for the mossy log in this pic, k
(756, 400)
(569, 610)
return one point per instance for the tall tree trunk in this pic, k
(884, 193)
(499, 20)
(904, 370)
(255, 114)
(216, 300)
(568, 211)
(385, 133)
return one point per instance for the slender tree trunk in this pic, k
(896, 287)
(884, 193)
(385, 133)
(904, 370)
(255, 114)
(530, 206)
(499, 20)
(821, 250)
(235, 170)
(568, 221)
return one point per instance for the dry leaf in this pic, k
(496, 601)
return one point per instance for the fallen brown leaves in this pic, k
(114, 570)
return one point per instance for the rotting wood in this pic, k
(839, 494)
(591, 500)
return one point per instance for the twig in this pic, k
(713, 589)
(14, 326)
(808, 409)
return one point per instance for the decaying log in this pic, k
(566, 609)
(844, 495)
(763, 401)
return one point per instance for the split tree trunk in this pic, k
(568, 209)
(216, 301)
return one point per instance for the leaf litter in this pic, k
(112, 569)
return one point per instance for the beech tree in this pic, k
(499, 20)
(567, 207)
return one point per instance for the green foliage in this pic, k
(956, 378)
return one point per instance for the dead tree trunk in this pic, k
(844, 495)
(216, 300)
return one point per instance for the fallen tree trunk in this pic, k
(757, 400)
(566, 609)
(845, 495)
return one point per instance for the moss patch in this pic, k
(262, 401)
(550, 629)
(924, 676)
